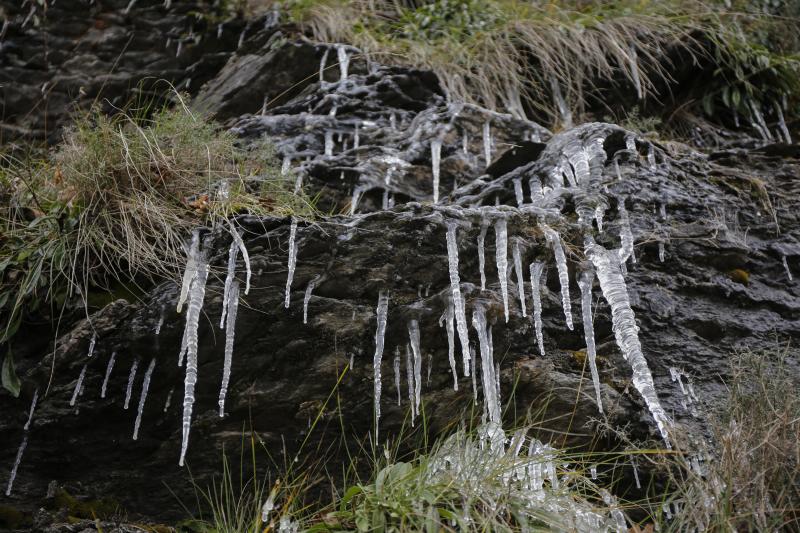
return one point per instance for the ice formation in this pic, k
(436, 156)
(143, 397)
(520, 277)
(449, 320)
(786, 268)
(625, 233)
(230, 330)
(381, 313)
(92, 341)
(612, 283)
(109, 367)
(482, 252)
(190, 273)
(520, 196)
(17, 461)
(487, 143)
(563, 274)
(501, 256)
(410, 383)
(536, 270)
(487, 364)
(27, 425)
(585, 283)
(131, 378)
(344, 60)
(291, 262)
(396, 367)
(322, 65)
(413, 337)
(307, 297)
(78, 385)
(459, 306)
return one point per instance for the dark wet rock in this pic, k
(723, 213)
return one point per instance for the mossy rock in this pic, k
(102, 508)
(13, 518)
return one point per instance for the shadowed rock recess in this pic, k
(714, 240)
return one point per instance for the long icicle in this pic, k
(190, 273)
(482, 252)
(230, 329)
(196, 298)
(143, 397)
(449, 322)
(563, 274)
(536, 270)
(520, 277)
(381, 313)
(291, 262)
(108, 374)
(585, 283)
(459, 307)
(410, 381)
(131, 378)
(612, 283)
(413, 336)
(501, 256)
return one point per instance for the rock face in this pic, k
(726, 222)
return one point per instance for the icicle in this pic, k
(651, 157)
(381, 313)
(487, 365)
(356, 139)
(662, 211)
(269, 506)
(487, 143)
(413, 336)
(92, 342)
(196, 298)
(501, 256)
(449, 320)
(593, 472)
(482, 253)
(237, 240)
(563, 274)
(474, 364)
(78, 385)
(758, 121)
(458, 300)
(636, 474)
(322, 65)
(520, 277)
(396, 366)
(291, 262)
(436, 155)
(355, 198)
(160, 322)
(191, 268)
(661, 252)
(145, 386)
(518, 191)
(108, 374)
(131, 377)
(233, 251)
(599, 211)
(307, 298)
(585, 283)
(230, 329)
(328, 143)
(17, 461)
(536, 270)
(465, 144)
(169, 399)
(782, 124)
(286, 166)
(786, 268)
(637, 82)
(344, 61)
(410, 382)
(31, 410)
(625, 233)
(393, 121)
(612, 284)
(352, 357)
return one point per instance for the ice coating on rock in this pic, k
(563, 273)
(292, 261)
(396, 367)
(501, 256)
(191, 268)
(520, 277)
(625, 233)
(196, 298)
(17, 461)
(109, 367)
(381, 313)
(436, 157)
(307, 297)
(129, 388)
(449, 320)
(536, 270)
(344, 61)
(585, 283)
(612, 283)
(230, 330)
(413, 337)
(459, 305)
(92, 342)
(482, 252)
(487, 143)
(32, 408)
(487, 364)
(143, 397)
(786, 267)
(78, 385)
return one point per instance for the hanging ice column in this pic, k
(536, 282)
(563, 274)
(143, 398)
(413, 336)
(344, 60)
(487, 364)
(501, 256)
(520, 277)
(449, 319)
(482, 253)
(436, 157)
(585, 283)
(381, 313)
(230, 328)
(291, 262)
(197, 294)
(237, 245)
(607, 263)
(459, 307)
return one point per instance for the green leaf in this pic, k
(9, 377)
(351, 493)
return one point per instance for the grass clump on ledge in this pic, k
(552, 59)
(113, 204)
